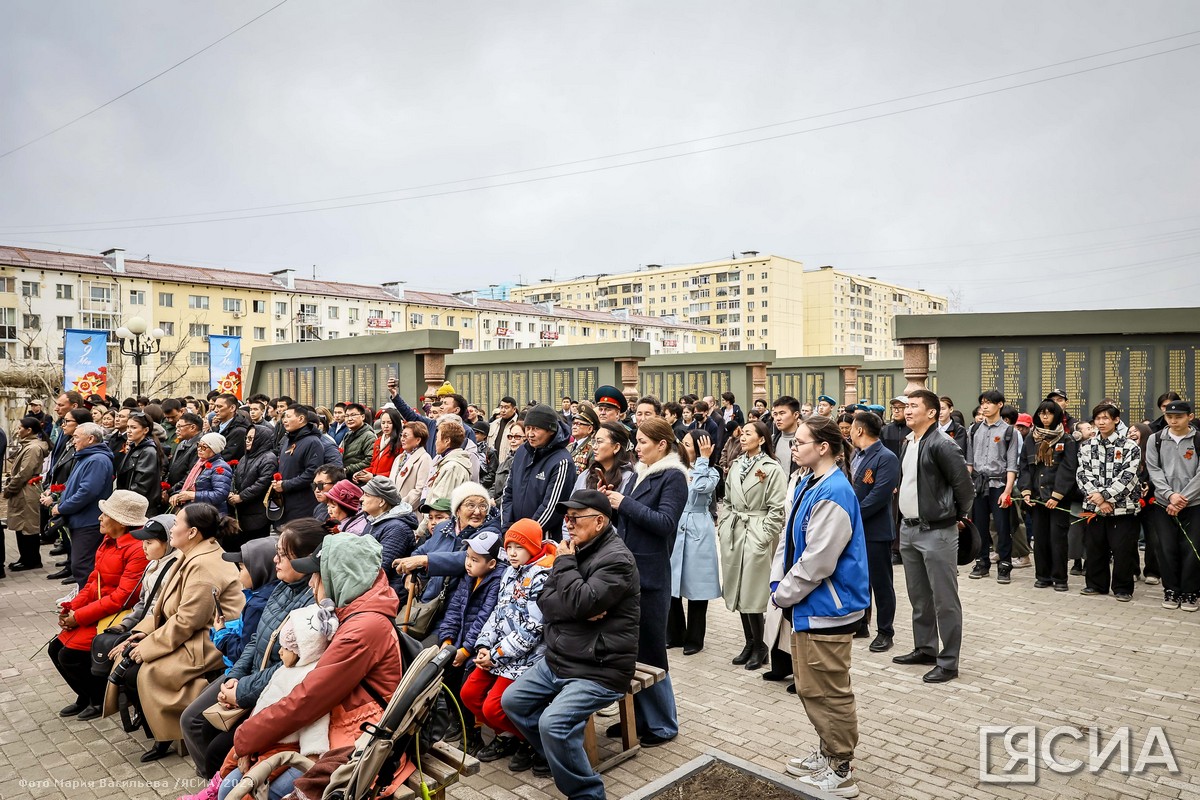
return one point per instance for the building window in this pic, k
(764, 276)
(433, 319)
(166, 299)
(100, 294)
(7, 286)
(64, 291)
(137, 297)
(62, 323)
(197, 301)
(168, 328)
(31, 289)
(198, 358)
(449, 321)
(198, 388)
(416, 319)
(352, 314)
(466, 322)
(308, 311)
(397, 317)
(31, 321)
(165, 357)
(197, 329)
(331, 335)
(258, 306)
(231, 305)
(375, 313)
(281, 334)
(231, 330)
(280, 307)
(468, 344)
(517, 327)
(260, 334)
(333, 312)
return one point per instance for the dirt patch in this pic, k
(721, 782)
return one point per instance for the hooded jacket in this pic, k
(395, 530)
(252, 480)
(91, 481)
(538, 481)
(258, 556)
(301, 454)
(356, 449)
(514, 631)
(600, 578)
(251, 676)
(468, 609)
(235, 436)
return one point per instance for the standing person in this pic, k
(694, 561)
(897, 428)
(1171, 461)
(410, 471)
(301, 455)
(230, 424)
(141, 469)
(992, 460)
(785, 414)
(337, 428)
(359, 441)
(1047, 482)
(496, 435)
(1059, 397)
(826, 406)
(610, 404)
(515, 433)
(1108, 478)
(385, 449)
(935, 495)
(749, 531)
(542, 473)
(251, 479)
(1140, 433)
(819, 580)
(565, 413)
(183, 455)
(584, 425)
(590, 602)
(62, 463)
(89, 483)
(948, 425)
(875, 473)
(648, 521)
(21, 494)
(730, 410)
(611, 461)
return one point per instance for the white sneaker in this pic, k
(1021, 563)
(836, 785)
(610, 710)
(995, 558)
(1152, 581)
(813, 762)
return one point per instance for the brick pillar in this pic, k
(849, 385)
(629, 379)
(758, 382)
(916, 362)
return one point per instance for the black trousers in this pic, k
(1050, 528)
(84, 542)
(1178, 548)
(879, 569)
(689, 630)
(1111, 537)
(1150, 528)
(75, 666)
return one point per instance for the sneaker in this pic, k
(1153, 580)
(1004, 572)
(610, 710)
(498, 748)
(541, 767)
(522, 759)
(995, 558)
(1188, 602)
(980, 571)
(811, 763)
(835, 783)
(1021, 563)
(1171, 601)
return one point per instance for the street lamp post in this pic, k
(137, 343)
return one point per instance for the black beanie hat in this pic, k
(542, 416)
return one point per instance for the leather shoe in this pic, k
(915, 657)
(541, 767)
(940, 675)
(58, 550)
(21, 566)
(1091, 592)
(91, 712)
(613, 731)
(882, 644)
(71, 710)
(61, 564)
(67, 581)
(654, 740)
(863, 632)
(772, 675)
(692, 649)
(791, 688)
(159, 750)
(57, 576)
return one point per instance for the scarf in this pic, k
(189, 483)
(1046, 439)
(748, 463)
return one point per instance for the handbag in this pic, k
(425, 614)
(226, 719)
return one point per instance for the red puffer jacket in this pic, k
(113, 585)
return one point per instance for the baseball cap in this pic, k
(1178, 407)
(157, 527)
(485, 543)
(441, 504)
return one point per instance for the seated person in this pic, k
(256, 572)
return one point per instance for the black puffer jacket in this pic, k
(601, 578)
(141, 471)
(301, 454)
(253, 478)
(235, 438)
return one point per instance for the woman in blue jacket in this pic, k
(694, 561)
(648, 520)
(819, 580)
(210, 480)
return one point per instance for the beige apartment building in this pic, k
(43, 293)
(757, 302)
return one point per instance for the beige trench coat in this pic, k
(748, 533)
(24, 512)
(178, 650)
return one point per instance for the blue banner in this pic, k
(225, 364)
(85, 361)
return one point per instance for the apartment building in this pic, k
(43, 293)
(757, 302)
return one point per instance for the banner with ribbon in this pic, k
(85, 361)
(225, 364)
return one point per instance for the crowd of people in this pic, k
(224, 554)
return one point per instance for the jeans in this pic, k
(654, 710)
(987, 509)
(550, 713)
(280, 787)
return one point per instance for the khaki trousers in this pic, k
(822, 666)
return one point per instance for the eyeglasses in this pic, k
(797, 443)
(514, 436)
(474, 506)
(571, 522)
(318, 486)
(581, 422)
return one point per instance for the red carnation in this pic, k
(208, 465)
(165, 485)
(277, 476)
(233, 462)
(58, 487)
(220, 470)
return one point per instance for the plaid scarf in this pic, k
(1046, 439)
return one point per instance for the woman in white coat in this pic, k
(749, 531)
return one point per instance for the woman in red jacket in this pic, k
(387, 445)
(111, 588)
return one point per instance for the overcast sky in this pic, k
(1079, 192)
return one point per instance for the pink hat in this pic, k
(347, 495)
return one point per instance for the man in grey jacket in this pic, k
(1171, 460)
(935, 495)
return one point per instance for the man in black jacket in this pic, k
(232, 425)
(183, 455)
(301, 454)
(935, 494)
(591, 604)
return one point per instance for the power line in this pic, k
(128, 92)
(632, 152)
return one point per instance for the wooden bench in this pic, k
(644, 676)
(439, 764)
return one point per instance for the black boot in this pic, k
(697, 624)
(759, 653)
(675, 624)
(744, 656)
(29, 556)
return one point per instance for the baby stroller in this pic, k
(374, 760)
